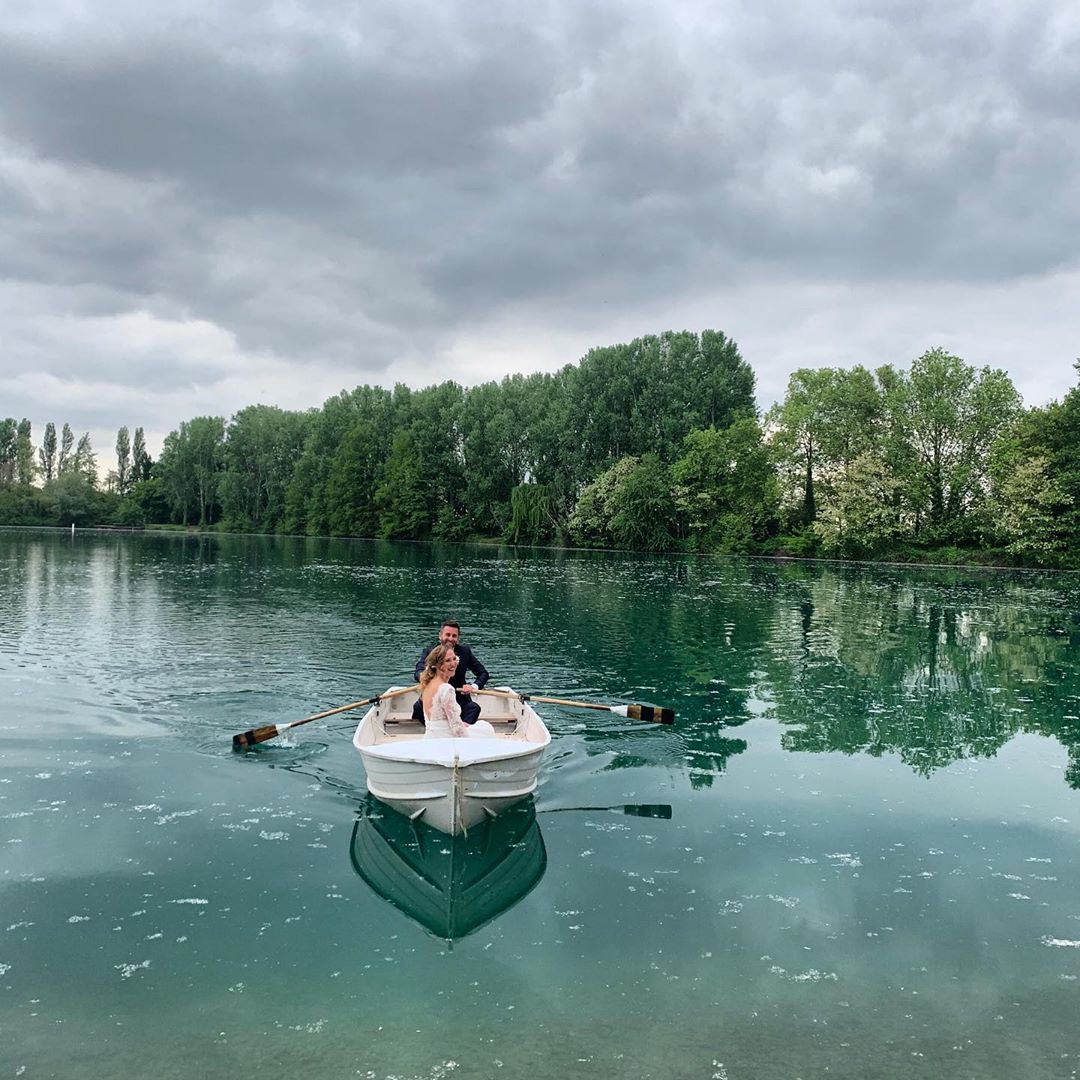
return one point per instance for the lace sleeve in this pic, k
(447, 700)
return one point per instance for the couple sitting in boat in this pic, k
(442, 713)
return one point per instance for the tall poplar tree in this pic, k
(67, 445)
(47, 453)
(84, 463)
(140, 459)
(24, 454)
(8, 434)
(123, 461)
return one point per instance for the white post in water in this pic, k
(73, 530)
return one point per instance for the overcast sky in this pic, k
(247, 202)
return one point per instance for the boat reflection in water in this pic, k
(451, 885)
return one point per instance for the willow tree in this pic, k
(534, 514)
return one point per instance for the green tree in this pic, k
(24, 506)
(190, 467)
(353, 481)
(948, 416)
(123, 461)
(308, 503)
(1052, 433)
(725, 487)
(140, 459)
(24, 454)
(646, 396)
(71, 499)
(403, 498)
(261, 448)
(828, 417)
(47, 453)
(864, 513)
(644, 510)
(146, 503)
(8, 443)
(590, 524)
(207, 441)
(67, 445)
(535, 514)
(493, 450)
(84, 460)
(1026, 510)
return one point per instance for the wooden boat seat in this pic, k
(406, 727)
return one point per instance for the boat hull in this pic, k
(449, 885)
(451, 784)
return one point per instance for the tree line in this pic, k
(655, 445)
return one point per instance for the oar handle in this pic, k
(545, 700)
(572, 704)
(258, 735)
(651, 713)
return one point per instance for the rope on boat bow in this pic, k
(459, 795)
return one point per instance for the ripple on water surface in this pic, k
(855, 852)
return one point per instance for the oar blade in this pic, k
(650, 810)
(651, 714)
(256, 735)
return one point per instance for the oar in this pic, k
(258, 735)
(651, 713)
(649, 810)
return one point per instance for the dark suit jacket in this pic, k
(467, 661)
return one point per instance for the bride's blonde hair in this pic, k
(431, 664)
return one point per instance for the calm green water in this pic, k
(855, 855)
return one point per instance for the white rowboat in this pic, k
(451, 784)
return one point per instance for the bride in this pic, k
(442, 713)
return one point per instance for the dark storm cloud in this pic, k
(351, 187)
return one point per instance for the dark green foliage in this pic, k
(645, 397)
(191, 467)
(67, 445)
(71, 499)
(47, 453)
(123, 461)
(8, 435)
(309, 504)
(24, 455)
(147, 503)
(140, 459)
(643, 508)
(629, 505)
(725, 488)
(404, 498)
(25, 506)
(653, 445)
(354, 478)
(261, 448)
(534, 514)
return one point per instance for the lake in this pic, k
(855, 855)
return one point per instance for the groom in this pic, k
(450, 634)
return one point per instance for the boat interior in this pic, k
(508, 715)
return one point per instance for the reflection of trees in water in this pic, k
(705, 751)
(681, 633)
(931, 665)
(933, 668)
